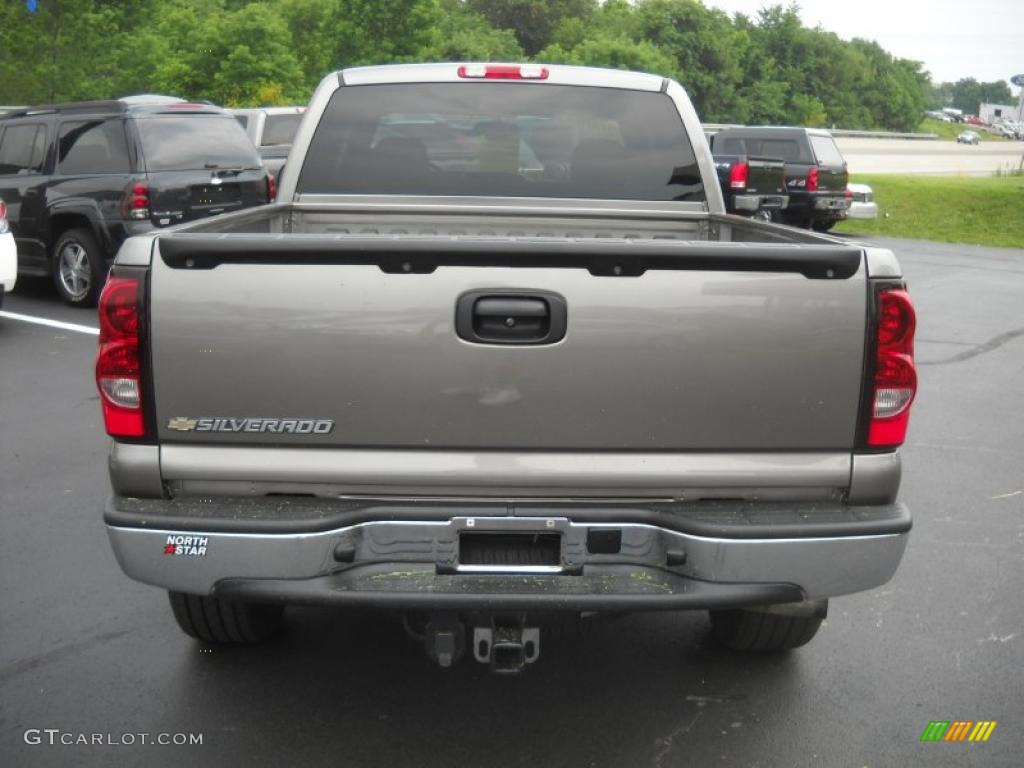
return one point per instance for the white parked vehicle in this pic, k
(8, 255)
(862, 202)
(272, 130)
(1012, 129)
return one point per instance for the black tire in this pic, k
(743, 630)
(213, 620)
(79, 269)
(823, 225)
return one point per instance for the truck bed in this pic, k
(502, 221)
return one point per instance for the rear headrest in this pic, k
(499, 148)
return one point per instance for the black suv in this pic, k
(816, 175)
(80, 178)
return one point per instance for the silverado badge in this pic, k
(227, 424)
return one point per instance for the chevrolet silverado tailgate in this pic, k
(514, 344)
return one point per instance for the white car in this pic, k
(8, 255)
(862, 204)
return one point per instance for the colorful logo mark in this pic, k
(958, 730)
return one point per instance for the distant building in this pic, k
(997, 113)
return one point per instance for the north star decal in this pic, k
(191, 546)
(219, 424)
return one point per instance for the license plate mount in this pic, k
(510, 551)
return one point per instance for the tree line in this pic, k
(737, 69)
(968, 94)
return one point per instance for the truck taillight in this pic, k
(271, 187)
(812, 180)
(118, 362)
(135, 201)
(895, 381)
(3, 217)
(738, 176)
(503, 71)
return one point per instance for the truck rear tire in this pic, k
(744, 630)
(213, 620)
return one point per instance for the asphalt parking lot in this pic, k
(84, 650)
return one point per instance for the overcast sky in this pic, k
(983, 39)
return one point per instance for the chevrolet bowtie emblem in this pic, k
(182, 424)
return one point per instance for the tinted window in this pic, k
(789, 148)
(783, 149)
(93, 146)
(22, 149)
(38, 160)
(502, 139)
(194, 142)
(826, 151)
(280, 129)
(732, 147)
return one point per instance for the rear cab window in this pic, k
(732, 147)
(93, 146)
(783, 149)
(22, 149)
(195, 142)
(502, 140)
(279, 129)
(790, 148)
(826, 151)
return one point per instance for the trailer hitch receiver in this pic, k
(507, 648)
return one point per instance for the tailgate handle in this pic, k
(510, 317)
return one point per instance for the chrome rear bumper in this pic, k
(860, 210)
(747, 558)
(757, 202)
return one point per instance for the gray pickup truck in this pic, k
(498, 356)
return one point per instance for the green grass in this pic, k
(950, 131)
(975, 210)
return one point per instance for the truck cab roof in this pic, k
(454, 72)
(128, 106)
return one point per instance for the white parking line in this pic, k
(51, 323)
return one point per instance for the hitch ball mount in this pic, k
(506, 646)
